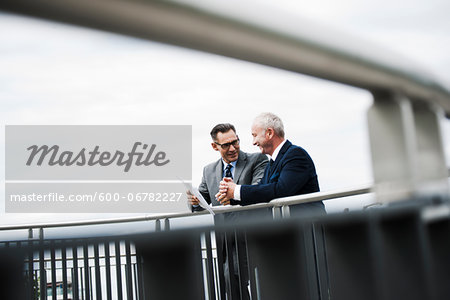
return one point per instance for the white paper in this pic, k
(194, 191)
(202, 200)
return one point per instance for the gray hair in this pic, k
(269, 120)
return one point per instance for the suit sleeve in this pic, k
(295, 171)
(203, 189)
(258, 168)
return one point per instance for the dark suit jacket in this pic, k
(292, 173)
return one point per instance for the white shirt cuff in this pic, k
(237, 193)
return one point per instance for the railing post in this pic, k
(276, 212)
(118, 270)
(108, 270)
(157, 225)
(430, 150)
(75, 281)
(407, 149)
(128, 273)
(42, 271)
(53, 268)
(30, 233)
(285, 211)
(98, 282)
(166, 224)
(209, 267)
(392, 143)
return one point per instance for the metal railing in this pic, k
(275, 204)
(90, 267)
(186, 264)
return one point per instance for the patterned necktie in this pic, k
(271, 163)
(228, 171)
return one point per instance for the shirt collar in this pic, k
(233, 163)
(277, 150)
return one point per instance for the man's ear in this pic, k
(214, 146)
(269, 133)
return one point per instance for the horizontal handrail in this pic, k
(286, 201)
(249, 34)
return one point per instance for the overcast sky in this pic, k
(58, 74)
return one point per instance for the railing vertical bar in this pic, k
(231, 288)
(217, 278)
(75, 272)
(42, 273)
(209, 266)
(64, 270)
(157, 225)
(53, 269)
(91, 284)
(166, 224)
(31, 287)
(108, 271)
(86, 272)
(128, 274)
(82, 283)
(98, 282)
(135, 274)
(241, 253)
(71, 276)
(221, 252)
(285, 211)
(276, 212)
(139, 263)
(36, 290)
(118, 271)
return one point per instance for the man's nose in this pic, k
(232, 148)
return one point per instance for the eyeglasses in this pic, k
(227, 145)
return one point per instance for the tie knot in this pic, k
(228, 171)
(271, 162)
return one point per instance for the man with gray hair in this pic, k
(290, 171)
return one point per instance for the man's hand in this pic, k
(192, 199)
(226, 191)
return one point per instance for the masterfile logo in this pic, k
(98, 152)
(91, 158)
(97, 169)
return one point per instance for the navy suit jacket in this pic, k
(292, 173)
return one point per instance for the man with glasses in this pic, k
(243, 168)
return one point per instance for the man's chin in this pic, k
(233, 157)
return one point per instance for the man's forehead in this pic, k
(256, 127)
(226, 137)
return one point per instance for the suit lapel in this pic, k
(266, 177)
(280, 155)
(240, 164)
(219, 171)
